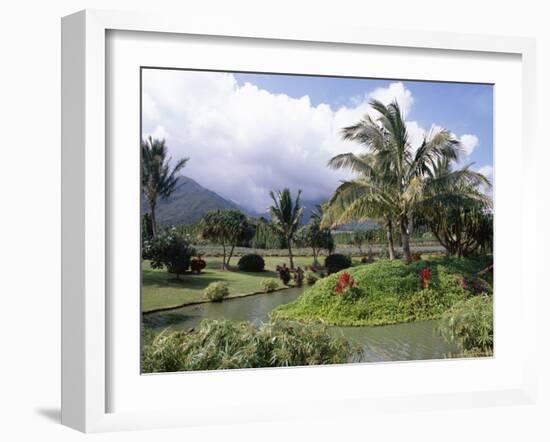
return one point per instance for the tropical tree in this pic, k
(459, 215)
(314, 236)
(170, 249)
(286, 216)
(227, 227)
(395, 178)
(158, 178)
(368, 196)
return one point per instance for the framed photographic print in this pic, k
(278, 221)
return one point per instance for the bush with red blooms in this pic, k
(345, 281)
(425, 275)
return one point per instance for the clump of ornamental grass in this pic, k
(226, 344)
(469, 325)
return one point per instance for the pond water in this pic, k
(400, 342)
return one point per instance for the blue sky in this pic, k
(248, 134)
(459, 107)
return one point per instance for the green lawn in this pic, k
(161, 289)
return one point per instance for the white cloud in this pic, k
(395, 92)
(244, 141)
(469, 142)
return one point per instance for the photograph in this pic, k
(292, 220)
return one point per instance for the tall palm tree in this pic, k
(396, 178)
(286, 216)
(158, 179)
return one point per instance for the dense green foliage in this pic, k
(216, 291)
(251, 263)
(336, 262)
(269, 285)
(227, 344)
(168, 249)
(267, 237)
(386, 292)
(469, 324)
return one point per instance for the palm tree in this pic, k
(395, 179)
(369, 196)
(158, 179)
(286, 217)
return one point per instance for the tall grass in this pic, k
(469, 324)
(228, 344)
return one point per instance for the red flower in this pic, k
(345, 281)
(425, 275)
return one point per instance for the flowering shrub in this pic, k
(284, 273)
(299, 276)
(197, 264)
(425, 275)
(345, 282)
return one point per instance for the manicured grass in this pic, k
(161, 289)
(386, 292)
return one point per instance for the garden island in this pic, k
(395, 263)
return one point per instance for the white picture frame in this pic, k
(87, 205)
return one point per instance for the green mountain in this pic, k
(189, 202)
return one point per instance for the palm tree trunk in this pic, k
(290, 254)
(152, 206)
(389, 235)
(403, 223)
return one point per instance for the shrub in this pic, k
(310, 277)
(336, 262)
(169, 249)
(299, 276)
(218, 345)
(269, 285)
(469, 324)
(284, 274)
(217, 291)
(251, 263)
(197, 264)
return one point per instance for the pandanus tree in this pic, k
(286, 216)
(456, 211)
(227, 227)
(158, 178)
(395, 179)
